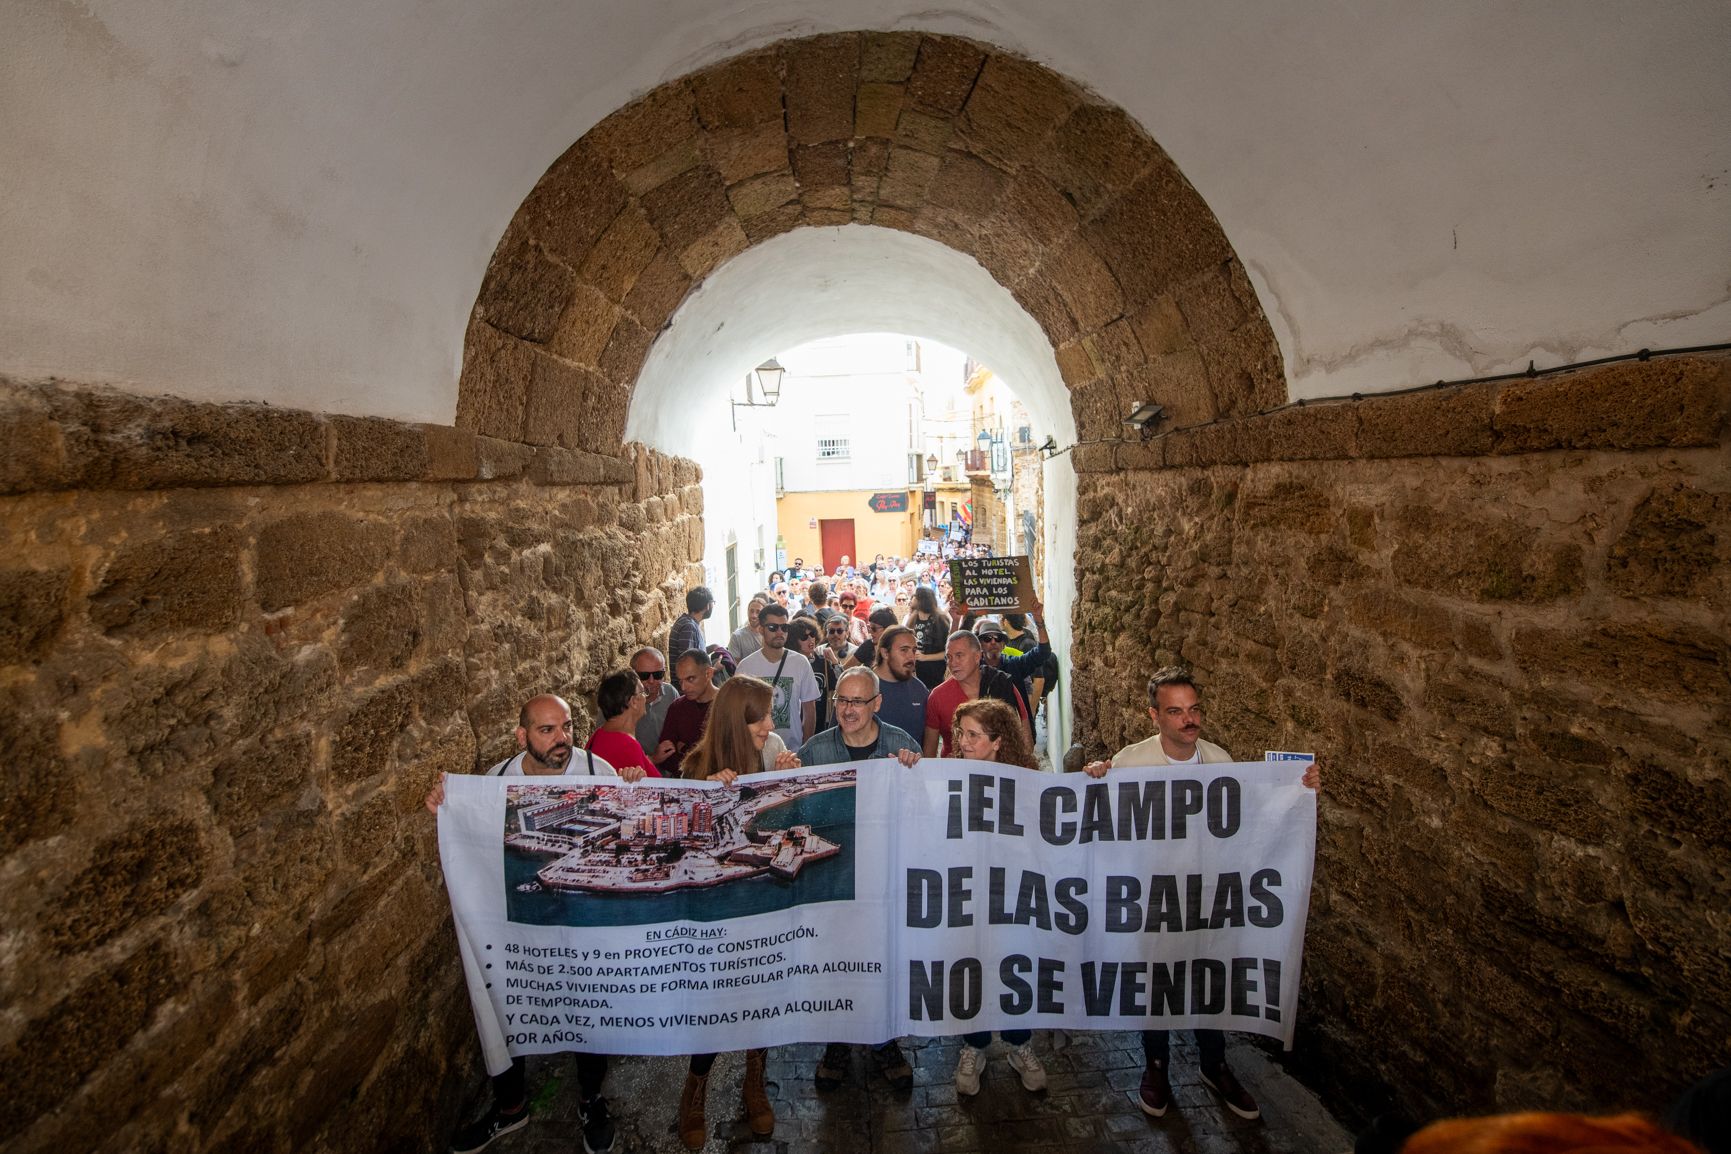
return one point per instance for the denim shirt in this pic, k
(827, 748)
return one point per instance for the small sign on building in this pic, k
(889, 503)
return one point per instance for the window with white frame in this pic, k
(833, 449)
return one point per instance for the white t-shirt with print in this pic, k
(796, 686)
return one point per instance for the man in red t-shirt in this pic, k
(689, 716)
(969, 680)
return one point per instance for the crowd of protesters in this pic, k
(868, 663)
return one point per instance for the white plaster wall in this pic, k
(822, 282)
(295, 203)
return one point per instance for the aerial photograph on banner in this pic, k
(613, 855)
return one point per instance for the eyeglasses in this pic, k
(772, 627)
(1000, 638)
(851, 702)
(651, 674)
(838, 632)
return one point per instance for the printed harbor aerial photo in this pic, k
(617, 855)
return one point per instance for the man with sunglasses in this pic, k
(1020, 666)
(858, 735)
(835, 637)
(790, 676)
(658, 694)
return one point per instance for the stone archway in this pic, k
(1059, 195)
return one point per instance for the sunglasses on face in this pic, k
(772, 627)
(1000, 638)
(651, 675)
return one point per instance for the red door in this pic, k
(837, 540)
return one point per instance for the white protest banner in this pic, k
(860, 903)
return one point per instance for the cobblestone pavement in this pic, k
(1089, 1105)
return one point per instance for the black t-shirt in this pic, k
(865, 652)
(861, 753)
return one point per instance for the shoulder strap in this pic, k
(785, 653)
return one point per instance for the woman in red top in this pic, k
(622, 703)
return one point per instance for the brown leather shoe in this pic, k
(693, 1130)
(759, 1114)
(1156, 1092)
(1225, 1083)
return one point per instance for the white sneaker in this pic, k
(968, 1064)
(1025, 1062)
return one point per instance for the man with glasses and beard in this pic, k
(544, 741)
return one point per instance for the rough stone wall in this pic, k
(1500, 613)
(237, 646)
(1062, 197)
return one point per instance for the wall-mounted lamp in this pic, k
(1144, 417)
(768, 375)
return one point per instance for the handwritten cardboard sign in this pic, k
(993, 584)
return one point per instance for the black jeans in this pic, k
(511, 1094)
(1211, 1044)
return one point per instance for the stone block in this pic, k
(306, 555)
(1286, 505)
(1445, 423)
(1114, 349)
(877, 108)
(1096, 154)
(364, 742)
(924, 131)
(38, 796)
(113, 440)
(1675, 402)
(682, 157)
(946, 226)
(1389, 614)
(32, 452)
(906, 178)
(1368, 691)
(1141, 454)
(589, 318)
(1075, 365)
(1005, 253)
(603, 430)
(450, 453)
(381, 629)
(376, 449)
(83, 1031)
(1484, 558)
(943, 74)
(133, 875)
(1244, 371)
(572, 204)
(688, 207)
(1677, 544)
(624, 354)
(968, 185)
(762, 194)
(739, 93)
(871, 159)
(1160, 327)
(1547, 796)
(1320, 432)
(1096, 409)
(772, 223)
(251, 782)
(646, 128)
(659, 291)
(497, 459)
(525, 289)
(1085, 283)
(1098, 457)
(1211, 310)
(1156, 234)
(1671, 661)
(740, 153)
(622, 253)
(554, 411)
(1042, 301)
(494, 383)
(888, 57)
(32, 611)
(553, 466)
(822, 75)
(822, 166)
(1033, 207)
(1014, 106)
(705, 254)
(186, 580)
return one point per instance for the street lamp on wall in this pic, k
(768, 375)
